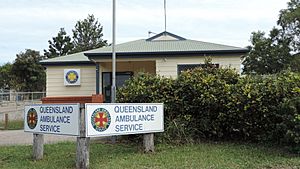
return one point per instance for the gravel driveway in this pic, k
(19, 137)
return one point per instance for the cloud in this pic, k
(31, 23)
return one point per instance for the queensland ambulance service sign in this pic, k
(61, 119)
(123, 118)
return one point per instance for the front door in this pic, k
(121, 77)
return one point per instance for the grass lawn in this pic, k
(204, 155)
(13, 125)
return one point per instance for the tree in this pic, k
(59, 45)
(29, 74)
(268, 55)
(88, 35)
(274, 53)
(5, 76)
(289, 20)
(295, 63)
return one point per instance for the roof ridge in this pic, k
(164, 33)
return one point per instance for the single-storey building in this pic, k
(165, 54)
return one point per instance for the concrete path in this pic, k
(19, 137)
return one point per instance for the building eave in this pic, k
(166, 54)
(68, 63)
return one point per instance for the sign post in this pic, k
(113, 119)
(38, 146)
(83, 143)
(92, 120)
(59, 119)
(148, 142)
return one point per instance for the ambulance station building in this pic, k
(166, 54)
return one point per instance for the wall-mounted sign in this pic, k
(72, 77)
(61, 119)
(121, 119)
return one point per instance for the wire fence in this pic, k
(20, 96)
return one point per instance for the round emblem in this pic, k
(72, 76)
(32, 118)
(100, 119)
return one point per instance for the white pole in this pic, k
(113, 87)
(165, 15)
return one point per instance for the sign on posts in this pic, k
(123, 118)
(60, 119)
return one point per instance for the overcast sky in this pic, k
(29, 24)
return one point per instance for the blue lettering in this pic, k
(55, 119)
(117, 109)
(135, 118)
(129, 127)
(50, 128)
(135, 109)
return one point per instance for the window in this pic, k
(185, 67)
(181, 68)
(121, 77)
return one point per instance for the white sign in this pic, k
(72, 77)
(121, 119)
(61, 119)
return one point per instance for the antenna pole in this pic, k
(113, 87)
(165, 15)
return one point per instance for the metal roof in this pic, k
(145, 46)
(76, 58)
(150, 47)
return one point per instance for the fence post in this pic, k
(83, 143)
(5, 121)
(38, 146)
(148, 142)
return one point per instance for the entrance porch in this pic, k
(124, 71)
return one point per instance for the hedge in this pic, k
(219, 104)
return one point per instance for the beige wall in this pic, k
(168, 66)
(55, 77)
(163, 66)
(55, 81)
(133, 66)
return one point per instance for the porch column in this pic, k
(97, 79)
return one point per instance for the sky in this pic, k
(29, 24)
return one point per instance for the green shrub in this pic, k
(218, 104)
(204, 94)
(289, 127)
(258, 100)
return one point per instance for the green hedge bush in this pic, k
(258, 105)
(218, 104)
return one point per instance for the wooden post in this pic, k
(38, 146)
(148, 142)
(83, 142)
(5, 121)
(82, 153)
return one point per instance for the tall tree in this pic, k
(28, 72)
(59, 45)
(295, 63)
(289, 20)
(268, 55)
(276, 52)
(88, 35)
(5, 76)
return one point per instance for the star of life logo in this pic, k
(32, 118)
(72, 76)
(100, 119)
